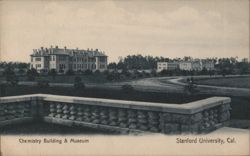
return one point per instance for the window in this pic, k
(62, 58)
(102, 66)
(38, 59)
(102, 59)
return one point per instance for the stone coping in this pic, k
(186, 108)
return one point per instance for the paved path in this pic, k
(216, 89)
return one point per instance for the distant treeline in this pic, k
(14, 65)
(139, 62)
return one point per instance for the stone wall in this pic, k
(117, 115)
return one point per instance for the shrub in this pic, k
(11, 76)
(88, 72)
(78, 84)
(70, 72)
(97, 72)
(190, 88)
(53, 73)
(32, 74)
(106, 72)
(153, 73)
(127, 88)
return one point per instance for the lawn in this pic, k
(93, 78)
(100, 78)
(238, 82)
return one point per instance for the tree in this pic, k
(32, 74)
(10, 76)
(112, 65)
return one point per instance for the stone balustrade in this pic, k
(117, 115)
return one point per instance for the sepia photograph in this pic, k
(143, 77)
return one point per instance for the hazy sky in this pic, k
(170, 28)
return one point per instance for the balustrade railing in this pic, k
(117, 115)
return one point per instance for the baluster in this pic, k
(153, 121)
(10, 111)
(59, 110)
(142, 120)
(132, 119)
(86, 114)
(79, 113)
(206, 119)
(95, 115)
(113, 117)
(52, 109)
(66, 111)
(104, 116)
(72, 110)
(211, 117)
(216, 115)
(122, 118)
(20, 110)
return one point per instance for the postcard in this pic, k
(120, 77)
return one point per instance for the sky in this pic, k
(168, 28)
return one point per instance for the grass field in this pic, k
(238, 82)
(94, 78)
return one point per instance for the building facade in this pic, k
(63, 59)
(167, 66)
(187, 65)
(193, 65)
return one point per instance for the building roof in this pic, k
(64, 51)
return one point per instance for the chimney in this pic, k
(51, 46)
(56, 46)
(41, 48)
(96, 50)
(65, 47)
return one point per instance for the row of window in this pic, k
(64, 58)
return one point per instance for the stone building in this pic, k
(167, 66)
(185, 65)
(209, 65)
(192, 65)
(63, 59)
